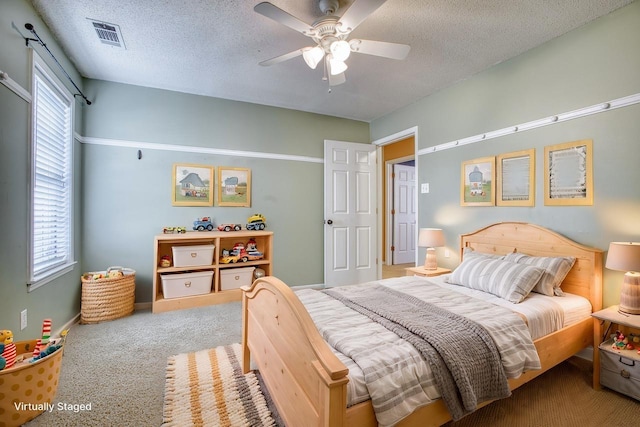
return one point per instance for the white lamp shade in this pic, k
(623, 256)
(312, 56)
(430, 238)
(336, 67)
(340, 50)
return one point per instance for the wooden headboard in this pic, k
(585, 278)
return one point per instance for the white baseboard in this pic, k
(316, 286)
(586, 354)
(142, 306)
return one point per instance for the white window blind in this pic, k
(51, 178)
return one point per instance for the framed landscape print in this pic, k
(515, 174)
(192, 185)
(234, 186)
(477, 182)
(568, 172)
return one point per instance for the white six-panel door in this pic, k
(350, 227)
(404, 217)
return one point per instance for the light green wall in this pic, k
(595, 63)
(60, 299)
(127, 201)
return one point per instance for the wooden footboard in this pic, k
(307, 382)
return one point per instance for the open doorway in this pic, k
(399, 190)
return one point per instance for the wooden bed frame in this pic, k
(307, 382)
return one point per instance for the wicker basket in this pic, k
(28, 385)
(107, 298)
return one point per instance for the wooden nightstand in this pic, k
(609, 316)
(421, 271)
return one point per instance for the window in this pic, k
(51, 226)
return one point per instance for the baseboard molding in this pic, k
(142, 306)
(316, 286)
(586, 354)
(75, 319)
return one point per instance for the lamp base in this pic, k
(630, 293)
(430, 261)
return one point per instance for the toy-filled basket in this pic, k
(27, 387)
(107, 295)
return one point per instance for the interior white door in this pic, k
(404, 214)
(350, 230)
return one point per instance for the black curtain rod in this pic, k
(39, 40)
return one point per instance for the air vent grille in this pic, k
(108, 33)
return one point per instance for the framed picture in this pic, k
(192, 185)
(568, 172)
(515, 174)
(477, 183)
(234, 187)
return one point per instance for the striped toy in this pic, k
(9, 352)
(36, 349)
(46, 332)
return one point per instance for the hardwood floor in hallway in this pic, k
(396, 270)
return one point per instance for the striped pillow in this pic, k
(555, 270)
(507, 280)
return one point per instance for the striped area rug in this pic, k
(207, 388)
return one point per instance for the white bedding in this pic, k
(544, 314)
(354, 334)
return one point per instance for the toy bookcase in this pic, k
(163, 244)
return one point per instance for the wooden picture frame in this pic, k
(515, 178)
(568, 170)
(192, 185)
(234, 186)
(477, 182)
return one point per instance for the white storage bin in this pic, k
(234, 278)
(187, 256)
(620, 370)
(186, 284)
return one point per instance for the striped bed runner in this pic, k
(208, 388)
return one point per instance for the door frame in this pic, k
(388, 259)
(403, 134)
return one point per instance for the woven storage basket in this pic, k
(31, 383)
(107, 298)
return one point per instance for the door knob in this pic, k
(329, 222)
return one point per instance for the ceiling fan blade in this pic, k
(384, 49)
(358, 12)
(284, 18)
(281, 58)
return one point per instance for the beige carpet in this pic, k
(562, 397)
(208, 388)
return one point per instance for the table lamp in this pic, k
(623, 256)
(430, 238)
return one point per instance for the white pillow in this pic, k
(507, 280)
(555, 270)
(466, 252)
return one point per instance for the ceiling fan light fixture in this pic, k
(336, 66)
(312, 56)
(340, 50)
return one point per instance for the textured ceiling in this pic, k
(213, 47)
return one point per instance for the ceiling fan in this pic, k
(330, 34)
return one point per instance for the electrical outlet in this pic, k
(446, 253)
(424, 187)
(23, 319)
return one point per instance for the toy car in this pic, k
(238, 253)
(169, 230)
(256, 222)
(229, 227)
(203, 223)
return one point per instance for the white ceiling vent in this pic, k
(108, 33)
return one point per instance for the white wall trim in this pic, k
(546, 121)
(194, 149)
(14, 86)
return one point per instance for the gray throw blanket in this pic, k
(462, 355)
